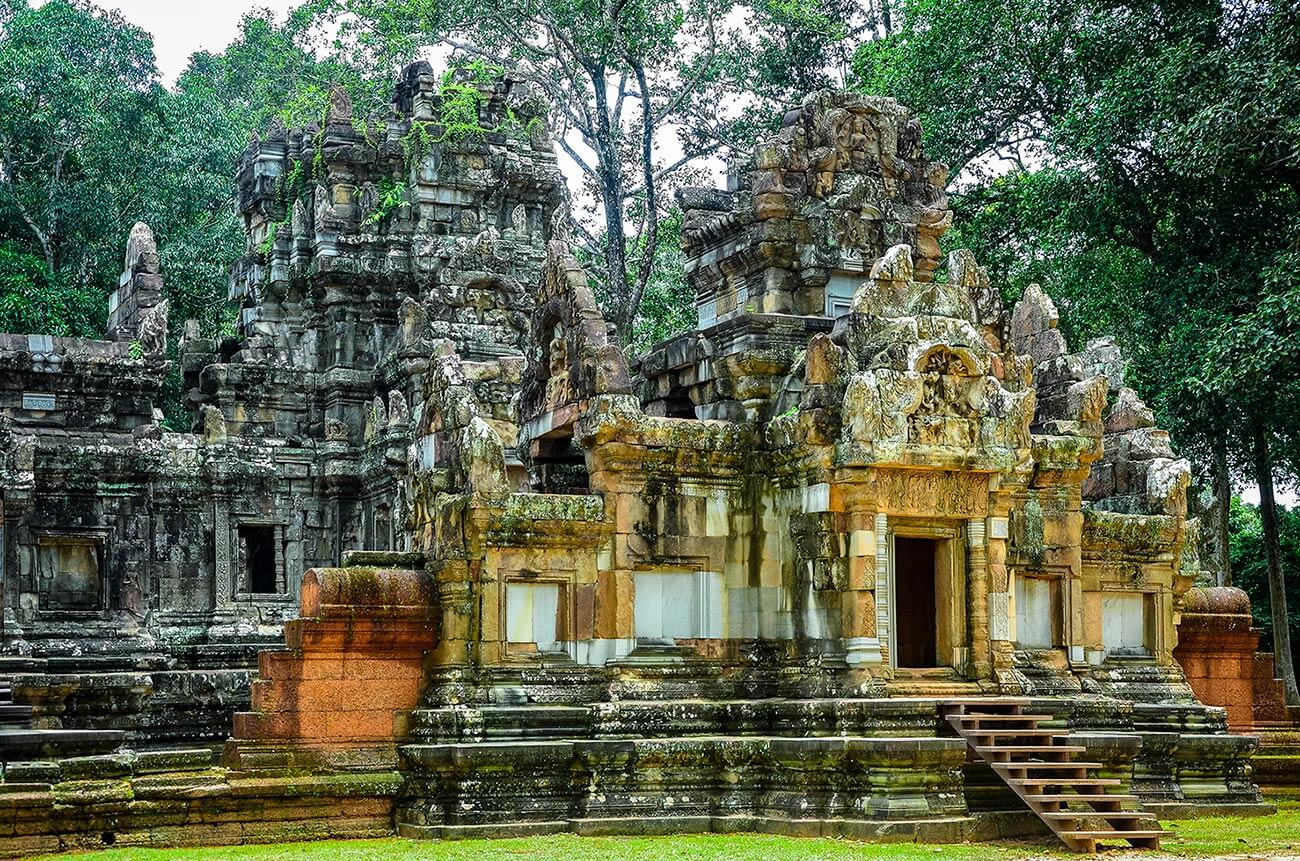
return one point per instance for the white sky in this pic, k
(181, 27)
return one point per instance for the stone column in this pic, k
(223, 590)
(977, 593)
(884, 597)
(861, 643)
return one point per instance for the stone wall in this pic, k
(133, 556)
(178, 798)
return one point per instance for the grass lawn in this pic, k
(1261, 837)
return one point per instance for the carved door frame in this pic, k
(952, 636)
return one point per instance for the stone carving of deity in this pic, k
(823, 162)
(557, 353)
(857, 143)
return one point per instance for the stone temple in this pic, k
(867, 553)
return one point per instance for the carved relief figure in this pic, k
(823, 162)
(557, 383)
(949, 402)
(857, 142)
(153, 330)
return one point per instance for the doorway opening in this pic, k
(259, 559)
(561, 464)
(916, 616)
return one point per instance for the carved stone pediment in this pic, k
(572, 357)
(932, 376)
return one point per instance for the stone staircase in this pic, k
(12, 715)
(1049, 775)
(19, 741)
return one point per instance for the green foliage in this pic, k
(33, 301)
(1250, 571)
(294, 182)
(417, 143)
(462, 92)
(79, 103)
(668, 306)
(391, 196)
(1140, 161)
(1258, 351)
(267, 245)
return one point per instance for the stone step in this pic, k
(1065, 781)
(979, 719)
(1093, 798)
(24, 744)
(503, 722)
(1020, 774)
(15, 715)
(1045, 766)
(679, 717)
(1030, 748)
(1086, 841)
(1109, 815)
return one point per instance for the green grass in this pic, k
(1198, 838)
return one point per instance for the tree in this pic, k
(79, 108)
(1142, 159)
(33, 301)
(1258, 353)
(1248, 560)
(627, 80)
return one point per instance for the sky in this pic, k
(181, 28)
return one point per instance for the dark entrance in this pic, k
(259, 558)
(916, 622)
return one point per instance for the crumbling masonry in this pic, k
(502, 579)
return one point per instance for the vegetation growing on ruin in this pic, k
(391, 196)
(1140, 160)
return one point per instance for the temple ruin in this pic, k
(435, 557)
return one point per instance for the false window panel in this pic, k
(677, 605)
(69, 574)
(533, 615)
(1124, 623)
(1038, 612)
(839, 296)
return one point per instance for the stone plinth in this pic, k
(353, 668)
(177, 798)
(1217, 648)
(626, 785)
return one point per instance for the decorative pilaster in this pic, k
(223, 591)
(861, 642)
(977, 585)
(883, 596)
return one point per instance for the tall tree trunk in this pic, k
(1223, 498)
(612, 190)
(1273, 554)
(650, 237)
